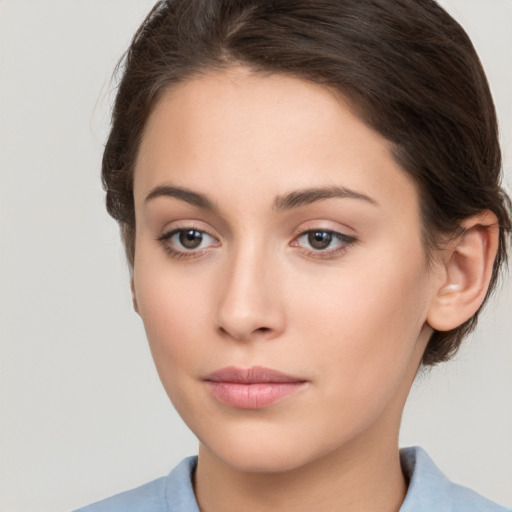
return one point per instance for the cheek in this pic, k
(365, 321)
(174, 311)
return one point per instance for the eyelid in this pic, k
(345, 241)
(168, 235)
(337, 234)
(165, 240)
(183, 225)
(322, 224)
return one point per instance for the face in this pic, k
(279, 269)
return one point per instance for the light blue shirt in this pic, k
(429, 491)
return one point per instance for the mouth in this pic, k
(251, 388)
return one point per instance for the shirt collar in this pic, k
(429, 489)
(179, 491)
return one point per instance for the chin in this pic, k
(263, 460)
(263, 449)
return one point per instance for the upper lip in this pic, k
(253, 375)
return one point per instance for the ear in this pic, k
(467, 264)
(134, 295)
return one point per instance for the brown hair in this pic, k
(407, 68)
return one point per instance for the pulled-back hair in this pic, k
(406, 67)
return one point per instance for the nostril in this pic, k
(259, 331)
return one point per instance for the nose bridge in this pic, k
(249, 303)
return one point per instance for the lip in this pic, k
(251, 388)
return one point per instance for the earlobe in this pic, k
(468, 265)
(134, 296)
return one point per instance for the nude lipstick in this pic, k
(251, 388)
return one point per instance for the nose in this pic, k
(250, 306)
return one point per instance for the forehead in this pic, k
(240, 129)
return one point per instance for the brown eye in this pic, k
(320, 239)
(323, 243)
(188, 242)
(190, 239)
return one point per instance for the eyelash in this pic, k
(176, 253)
(345, 241)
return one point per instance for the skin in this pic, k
(351, 320)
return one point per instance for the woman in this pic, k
(309, 197)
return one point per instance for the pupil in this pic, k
(191, 238)
(319, 239)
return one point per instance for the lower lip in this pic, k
(252, 395)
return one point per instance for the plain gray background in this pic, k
(83, 413)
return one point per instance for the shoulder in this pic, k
(149, 497)
(171, 493)
(430, 490)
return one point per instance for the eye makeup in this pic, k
(192, 242)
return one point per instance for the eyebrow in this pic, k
(311, 195)
(288, 201)
(194, 198)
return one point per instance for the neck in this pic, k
(362, 476)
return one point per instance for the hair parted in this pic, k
(405, 66)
